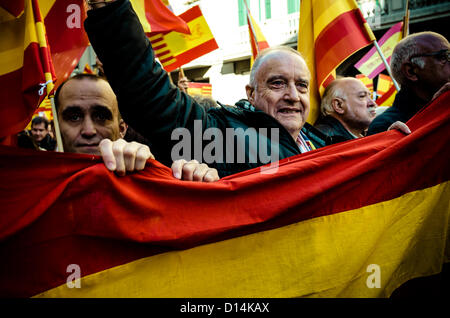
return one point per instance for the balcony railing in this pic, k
(383, 12)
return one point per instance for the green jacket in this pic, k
(153, 106)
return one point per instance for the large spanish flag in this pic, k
(329, 32)
(258, 41)
(355, 219)
(174, 49)
(25, 66)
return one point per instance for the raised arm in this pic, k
(148, 101)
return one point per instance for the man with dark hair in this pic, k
(420, 63)
(90, 123)
(40, 133)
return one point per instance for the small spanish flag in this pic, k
(175, 49)
(258, 41)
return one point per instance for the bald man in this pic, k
(420, 63)
(347, 110)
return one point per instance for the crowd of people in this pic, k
(278, 91)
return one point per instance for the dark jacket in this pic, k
(405, 106)
(333, 130)
(152, 105)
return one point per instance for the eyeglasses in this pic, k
(442, 55)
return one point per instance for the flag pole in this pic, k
(386, 64)
(405, 29)
(49, 87)
(375, 43)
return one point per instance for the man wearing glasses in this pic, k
(420, 64)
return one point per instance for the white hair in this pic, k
(260, 58)
(332, 91)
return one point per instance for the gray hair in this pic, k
(332, 91)
(260, 58)
(403, 51)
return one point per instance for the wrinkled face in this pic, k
(358, 106)
(38, 132)
(282, 90)
(87, 113)
(436, 71)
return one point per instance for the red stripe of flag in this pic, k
(195, 52)
(337, 41)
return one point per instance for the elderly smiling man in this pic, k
(278, 93)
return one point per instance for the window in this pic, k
(242, 13)
(268, 10)
(293, 6)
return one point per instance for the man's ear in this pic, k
(409, 71)
(337, 104)
(250, 93)
(122, 128)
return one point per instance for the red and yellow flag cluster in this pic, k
(329, 32)
(26, 71)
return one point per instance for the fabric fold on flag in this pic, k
(329, 32)
(333, 212)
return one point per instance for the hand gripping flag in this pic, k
(26, 71)
(355, 219)
(329, 32)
